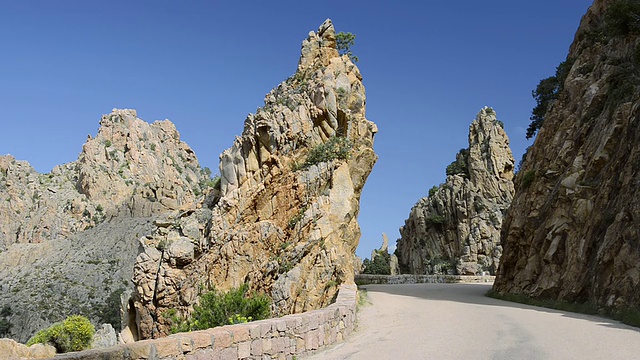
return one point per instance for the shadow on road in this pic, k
(475, 294)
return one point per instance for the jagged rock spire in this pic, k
(456, 229)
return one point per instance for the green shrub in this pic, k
(436, 219)
(545, 94)
(527, 179)
(73, 334)
(623, 18)
(218, 308)
(344, 42)
(622, 84)
(336, 148)
(5, 324)
(459, 166)
(433, 191)
(213, 182)
(109, 312)
(379, 265)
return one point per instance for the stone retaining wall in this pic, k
(279, 338)
(365, 279)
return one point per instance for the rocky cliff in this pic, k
(286, 219)
(68, 239)
(572, 230)
(456, 229)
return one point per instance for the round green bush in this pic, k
(73, 334)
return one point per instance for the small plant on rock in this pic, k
(336, 148)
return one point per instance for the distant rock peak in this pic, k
(456, 229)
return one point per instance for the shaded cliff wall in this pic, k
(572, 230)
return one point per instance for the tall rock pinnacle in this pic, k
(456, 229)
(286, 221)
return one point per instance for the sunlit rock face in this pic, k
(69, 238)
(285, 219)
(456, 229)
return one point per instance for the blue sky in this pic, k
(428, 67)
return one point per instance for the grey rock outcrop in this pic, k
(69, 239)
(456, 229)
(572, 230)
(104, 337)
(285, 220)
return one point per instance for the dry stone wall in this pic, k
(281, 338)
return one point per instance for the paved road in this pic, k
(456, 321)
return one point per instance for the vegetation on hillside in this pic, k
(336, 148)
(621, 19)
(460, 165)
(5, 324)
(545, 94)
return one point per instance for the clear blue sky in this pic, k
(428, 67)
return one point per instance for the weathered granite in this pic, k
(456, 229)
(572, 230)
(285, 225)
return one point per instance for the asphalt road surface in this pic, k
(456, 321)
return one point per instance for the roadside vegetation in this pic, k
(379, 265)
(75, 333)
(217, 308)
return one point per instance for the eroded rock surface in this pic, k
(68, 239)
(284, 224)
(572, 231)
(456, 230)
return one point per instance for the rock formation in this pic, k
(286, 219)
(68, 239)
(12, 350)
(572, 230)
(456, 229)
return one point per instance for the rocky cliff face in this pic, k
(456, 229)
(572, 230)
(285, 221)
(68, 239)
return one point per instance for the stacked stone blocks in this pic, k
(278, 338)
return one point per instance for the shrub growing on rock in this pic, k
(459, 165)
(336, 148)
(73, 334)
(218, 308)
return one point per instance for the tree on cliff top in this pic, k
(545, 94)
(344, 42)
